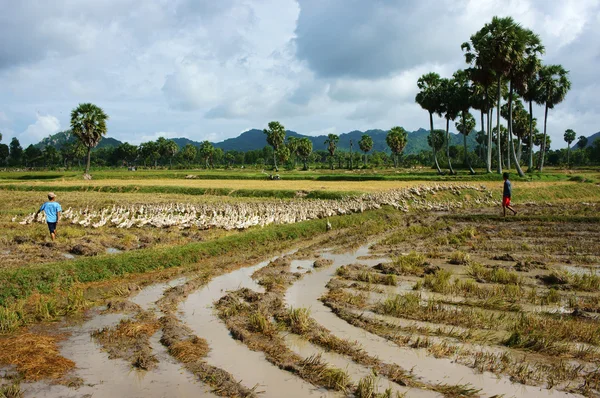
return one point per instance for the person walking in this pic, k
(52, 210)
(506, 195)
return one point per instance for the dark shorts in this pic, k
(52, 227)
(506, 201)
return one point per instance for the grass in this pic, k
(299, 320)
(459, 258)
(494, 275)
(21, 283)
(410, 264)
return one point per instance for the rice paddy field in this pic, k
(397, 284)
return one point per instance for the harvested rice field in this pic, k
(421, 291)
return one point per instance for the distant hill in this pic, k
(417, 140)
(255, 139)
(61, 138)
(590, 142)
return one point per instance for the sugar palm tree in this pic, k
(465, 126)
(429, 99)
(332, 142)
(495, 47)
(396, 139)
(275, 137)
(554, 85)
(449, 108)
(88, 124)
(569, 137)
(366, 144)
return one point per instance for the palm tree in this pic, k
(396, 139)
(366, 144)
(554, 85)
(582, 142)
(88, 124)
(436, 140)
(569, 136)
(304, 149)
(331, 142)
(529, 90)
(429, 99)
(207, 151)
(495, 48)
(465, 126)
(450, 109)
(275, 137)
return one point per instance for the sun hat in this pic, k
(51, 195)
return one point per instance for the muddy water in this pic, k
(250, 367)
(356, 372)
(112, 378)
(306, 293)
(148, 296)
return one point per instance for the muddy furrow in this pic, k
(306, 293)
(250, 367)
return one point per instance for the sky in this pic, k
(209, 70)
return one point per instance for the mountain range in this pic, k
(255, 139)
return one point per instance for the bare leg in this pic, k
(53, 235)
(504, 210)
(511, 209)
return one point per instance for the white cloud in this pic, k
(44, 126)
(207, 70)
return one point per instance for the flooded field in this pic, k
(442, 306)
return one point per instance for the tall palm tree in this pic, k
(429, 99)
(569, 137)
(366, 144)
(495, 47)
(529, 90)
(463, 99)
(275, 137)
(465, 126)
(450, 109)
(554, 85)
(88, 124)
(332, 142)
(396, 139)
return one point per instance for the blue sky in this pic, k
(210, 70)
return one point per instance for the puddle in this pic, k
(306, 293)
(151, 294)
(112, 250)
(579, 270)
(356, 372)
(68, 255)
(250, 367)
(115, 377)
(302, 266)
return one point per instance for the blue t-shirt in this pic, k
(51, 209)
(507, 189)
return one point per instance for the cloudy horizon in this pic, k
(210, 70)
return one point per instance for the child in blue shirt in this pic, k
(52, 209)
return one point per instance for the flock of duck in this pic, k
(244, 215)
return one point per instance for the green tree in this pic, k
(429, 98)
(436, 140)
(229, 158)
(188, 153)
(16, 152)
(396, 139)
(275, 137)
(4, 154)
(304, 150)
(332, 142)
(32, 156)
(465, 126)
(582, 142)
(150, 152)
(51, 156)
(365, 144)
(126, 153)
(569, 138)
(88, 124)
(292, 144)
(168, 149)
(449, 109)
(207, 151)
(554, 85)
(495, 48)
